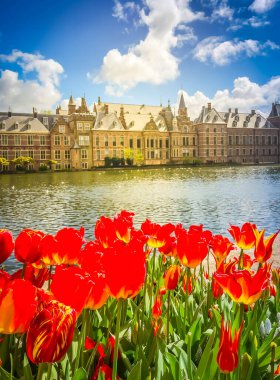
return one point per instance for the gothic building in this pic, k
(78, 138)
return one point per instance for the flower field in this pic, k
(140, 303)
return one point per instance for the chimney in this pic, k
(99, 100)
(209, 106)
(106, 109)
(35, 113)
(236, 110)
(9, 112)
(253, 112)
(229, 110)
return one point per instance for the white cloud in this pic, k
(151, 60)
(122, 11)
(223, 52)
(262, 6)
(223, 12)
(22, 94)
(245, 95)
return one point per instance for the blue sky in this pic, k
(145, 51)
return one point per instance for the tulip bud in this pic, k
(245, 365)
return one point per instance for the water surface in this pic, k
(214, 196)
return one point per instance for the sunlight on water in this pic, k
(214, 196)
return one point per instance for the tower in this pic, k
(182, 110)
(71, 106)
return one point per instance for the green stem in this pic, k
(49, 371)
(273, 348)
(186, 310)
(117, 333)
(23, 270)
(50, 277)
(241, 260)
(168, 317)
(153, 267)
(81, 340)
(40, 371)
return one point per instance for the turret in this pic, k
(71, 106)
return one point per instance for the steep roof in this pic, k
(244, 120)
(22, 124)
(182, 104)
(209, 115)
(139, 109)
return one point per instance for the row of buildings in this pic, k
(77, 138)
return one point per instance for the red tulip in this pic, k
(157, 313)
(36, 276)
(18, 305)
(277, 371)
(105, 371)
(50, 333)
(244, 237)
(188, 285)
(263, 248)
(6, 244)
(171, 277)
(27, 246)
(63, 248)
(192, 245)
(4, 278)
(243, 287)
(170, 247)
(157, 235)
(72, 286)
(227, 358)
(221, 247)
(107, 230)
(125, 267)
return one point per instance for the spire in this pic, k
(71, 101)
(182, 104)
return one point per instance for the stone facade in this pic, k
(77, 139)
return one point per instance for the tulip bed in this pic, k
(140, 303)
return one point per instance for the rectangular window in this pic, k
(4, 140)
(167, 144)
(222, 152)
(98, 154)
(257, 140)
(79, 126)
(57, 140)
(167, 155)
(193, 140)
(122, 153)
(222, 140)
(215, 140)
(45, 121)
(57, 167)
(114, 153)
(269, 140)
(66, 140)
(244, 152)
(263, 140)
(244, 140)
(148, 143)
(160, 143)
(229, 140)
(251, 140)
(207, 152)
(215, 152)
(152, 143)
(138, 142)
(274, 140)
(84, 165)
(17, 139)
(4, 154)
(131, 142)
(83, 140)
(152, 154)
(43, 140)
(237, 140)
(121, 141)
(87, 126)
(29, 140)
(106, 142)
(97, 141)
(61, 128)
(251, 152)
(114, 141)
(67, 154)
(84, 154)
(67, 166)
(17, 153)
(207, 140)
(42, 154)
(194, 153)
(237, 152)
(57, 155)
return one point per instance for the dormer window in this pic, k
(247, 118)
(3, 125)
(234, 123)
(114, 123)
(236, 118)
(17, 124)
(215, 119)
(131, 124)
(207, 118)
(245, 124)
(29, 125)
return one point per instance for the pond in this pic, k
(213, 196)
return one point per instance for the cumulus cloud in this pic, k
(151, 60)
(223, 52)
(245, 95)
(222, 11)
(122, 11)
(41, 92)
(262, 6)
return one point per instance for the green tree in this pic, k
(23, 161)
(4, 161)
(138, 158)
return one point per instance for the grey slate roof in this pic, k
(22, 124)
(182, 104)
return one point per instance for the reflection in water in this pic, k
(214, 196)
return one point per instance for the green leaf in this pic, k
(26, 369)
(173, 364)
(160, 366)
(80, 374)
(4, 375)
(205, 356)
(135, 373)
